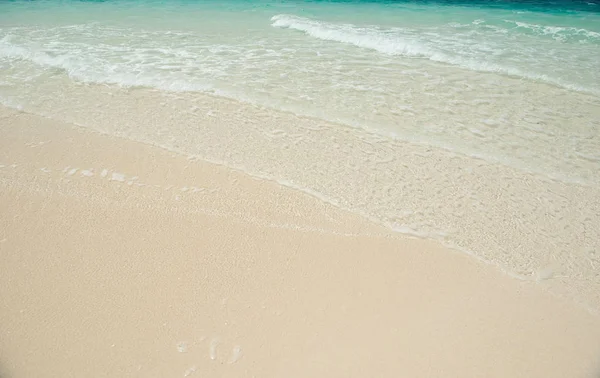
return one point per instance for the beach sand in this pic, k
(119, 259)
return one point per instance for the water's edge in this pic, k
(498, 215)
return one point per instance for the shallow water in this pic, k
(510, 84)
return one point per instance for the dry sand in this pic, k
(119, 259)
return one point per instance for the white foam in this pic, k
(371, 38)
(87, 173)
(407, 43)
(93, 63)
(10, 103)
(560, 33)
(89, 63)
(104, 173)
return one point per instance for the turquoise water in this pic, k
(474, 123)
(555, 45)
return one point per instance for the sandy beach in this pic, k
(119, 259)
(280, 189)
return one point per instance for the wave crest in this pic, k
(371, 38)
(406, 42)
(559, 33)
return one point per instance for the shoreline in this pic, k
(531, 227)
(119, 258)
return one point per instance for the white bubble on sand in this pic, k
(545, 273)
(117, 177)
(213, 349)
(72, 172)
(182, 347)
(87, 173)
(104, 173)
(189, 371)
(236, 354)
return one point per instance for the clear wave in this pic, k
(559, 33)
(404, 42)
(90, 68)
(180, 68)
(371, 38)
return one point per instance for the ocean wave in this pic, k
(84, 68)
(185, 64)
(404, 42)
(370, 38)
(559, 33)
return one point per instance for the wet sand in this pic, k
(123, 259)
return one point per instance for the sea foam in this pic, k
(406, 42)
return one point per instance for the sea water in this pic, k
(473, 122)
